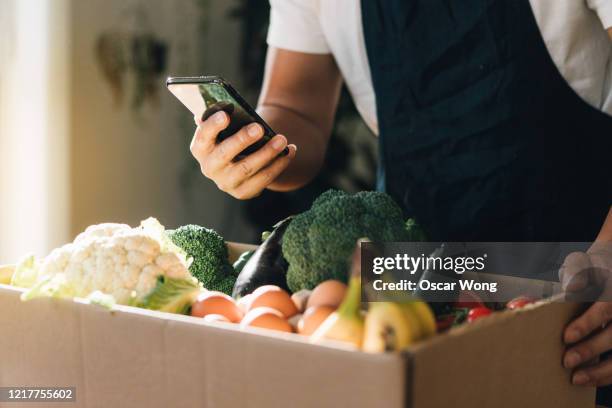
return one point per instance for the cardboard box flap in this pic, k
(451, 369)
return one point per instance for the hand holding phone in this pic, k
(234, 146)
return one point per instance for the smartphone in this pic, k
(204, 96)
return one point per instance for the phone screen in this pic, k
(207, 97)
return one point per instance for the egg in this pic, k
(266, 318)
(209, 303)
(328, 293)
(300, 299)
(294, 320)
(212, 318)
(312, 319)
(243, 303)
(273, 297)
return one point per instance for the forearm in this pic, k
(605, 235)
(610, 32)
(310, 142)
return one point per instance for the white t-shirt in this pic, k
(574, 32)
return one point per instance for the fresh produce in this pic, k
(242, 260)
(266, 318)
(424, 316)
(300, 299)
(294, 320)
(318, 243)
(392, 326)
(328, 293)
(478, 313)
(519, 302)
(266, 266)
(173, 295)
(6, 273)
(345, 324)
(138, 266)
(216, 303)
(210, 257)
(387, 328)
(216, 318)
(273, 297)
(312, 319)
(244, 302)
(415, 232)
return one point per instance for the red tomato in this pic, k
(477, 313)
(468, 300)
(519, 302)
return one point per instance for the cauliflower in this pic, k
(129, 264)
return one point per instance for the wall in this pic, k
(126, 165)
(34, 83)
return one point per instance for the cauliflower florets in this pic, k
(118, 260)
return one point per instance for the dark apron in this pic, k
(481, 138)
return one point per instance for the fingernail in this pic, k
(279, 142)
(294, 148)
(572, 359)
(580, 378)
(219, 117)
(254, 130)
(572, 336)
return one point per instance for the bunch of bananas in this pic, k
(386, 326)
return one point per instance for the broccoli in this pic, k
(319, 242)
(210, 265)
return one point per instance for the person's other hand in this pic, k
(589, 335)
(245, 178)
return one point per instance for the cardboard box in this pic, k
(130, 357)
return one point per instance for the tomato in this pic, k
(468, 300)
(519, 302)
(477, 313)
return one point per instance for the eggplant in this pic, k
(242, 260)
(266, 266)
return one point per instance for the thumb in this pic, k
(575, 272)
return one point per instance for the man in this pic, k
(493, 121)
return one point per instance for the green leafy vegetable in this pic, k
(210, 256)
(173, 295)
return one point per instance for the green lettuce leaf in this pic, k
(173, 295)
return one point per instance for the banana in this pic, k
(345, 324)
(424, 316)
(388, 327)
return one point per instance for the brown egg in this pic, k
(216, 303)
(300, 299)
(328, 293)
(266, 318)
(243, 303)
(273, 297)
(312, 319)
(212, 318)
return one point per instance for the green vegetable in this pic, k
(210, 257)
(319, 242)
(415, 232)
(57, 286)
(26, 273)
(242, 260)
(172, 295)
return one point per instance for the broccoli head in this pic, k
(210, 257)
(319, 242)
